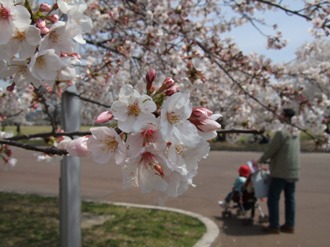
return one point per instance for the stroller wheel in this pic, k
(239, 212)
(263, 219)
(248, 222)
(226, 214)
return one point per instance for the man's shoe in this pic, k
(271, 230)
(287, 229)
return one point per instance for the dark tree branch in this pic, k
(240, 131)
(14, 114)
(89, 100)
(40, 91)
(49, 134)
(47, 150)
(286, 10)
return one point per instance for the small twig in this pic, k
(286, 10)
(47, 150)
(49, 134)
(88, 100)
(240, 131)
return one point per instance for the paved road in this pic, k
(216, 173)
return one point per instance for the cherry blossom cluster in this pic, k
(36, 45)
(157, 138)
(37, 48)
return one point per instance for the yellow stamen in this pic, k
(134, 109)
(172, 117)
(41, 62)
(20, 36)
(179, 148)
(53, 36)
(110, 143)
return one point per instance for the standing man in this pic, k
(283, 153)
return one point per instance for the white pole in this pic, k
(70, 200)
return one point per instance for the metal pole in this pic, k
(70, 200)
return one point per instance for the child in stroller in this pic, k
(236, 192)
(243, 194)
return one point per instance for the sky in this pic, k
(294, 29)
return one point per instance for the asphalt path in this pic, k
(215, 177)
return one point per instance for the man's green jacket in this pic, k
(283, 153)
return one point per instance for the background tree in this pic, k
(183, 40)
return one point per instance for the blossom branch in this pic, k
(88, 100)
(41, 99)
(47, 150)
(286, 10)
(240, 131)
(49, 134)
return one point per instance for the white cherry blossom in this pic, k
(174, 120)
(146, 171)
(78, 23)
(133, 110)
(177, 162)
(78, 147)
(59, 38)
(177, 185)
(45, 64)
(104, 144)
(23, 42)
(66, 5)
(4, 134)
(19, 70)
(148, 135)
(12, 17)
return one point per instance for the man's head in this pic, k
(288, 113)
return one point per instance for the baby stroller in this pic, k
(255, 188)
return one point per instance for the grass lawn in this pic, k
(32, 221)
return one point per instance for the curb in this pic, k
(212, 230)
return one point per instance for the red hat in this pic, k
(244, 170)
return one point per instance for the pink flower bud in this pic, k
(150, 77)
(53, 18)
(45, 7)
(174, 89)
(204, 119)
(44, 30)
(168, 82)
(41, 23)
(152, 89)
(208, 125)
(201, 112)
(5, 13)
(74, 55)
(104, 117)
